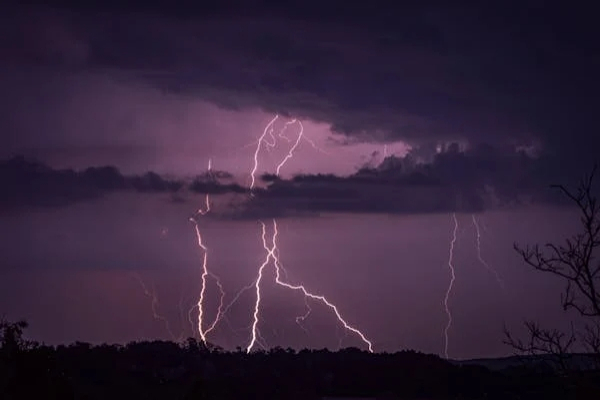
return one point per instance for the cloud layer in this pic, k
(31, 184)
(486, 74)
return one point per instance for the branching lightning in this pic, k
(270, 132)
(480, 258)
(154, 306)
(272, 256)
(272, 252)
(300, 319)
(450, 285)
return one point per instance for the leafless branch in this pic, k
(544, 341)
(573, 262)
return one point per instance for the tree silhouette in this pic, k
(11, 337)
(573, 262)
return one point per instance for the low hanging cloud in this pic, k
(26, 184)
(449, 179)
(474, 180)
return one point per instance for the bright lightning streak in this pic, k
(480, 258)
(203, 278)
(257, 289)
(206, 273)
(450, 285)
(271, 255)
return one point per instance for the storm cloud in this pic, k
(453, 180)
(417, 74)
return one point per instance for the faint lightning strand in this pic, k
(282, 131)
(452, 278)
(223, 310)
(290, 153)
(480, 258)
(207, 197)
(261, 140)
(220, 308)
(314, 145)
(154, 305)
(300, 319)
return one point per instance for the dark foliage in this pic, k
(165, 370)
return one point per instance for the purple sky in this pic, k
(158, 90)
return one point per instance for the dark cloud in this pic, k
(453, 180)
(428, 179)
(215, 187)
(507, 73)
(31, 184)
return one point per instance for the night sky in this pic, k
(403, 117)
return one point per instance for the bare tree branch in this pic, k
(573, 262)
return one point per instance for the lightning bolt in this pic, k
(272, 256)
(450, 285)
(272, 252)
(154, 306)
(480, 258)
(290, 153)
(300, 319)
(268, 129)
(205, 272)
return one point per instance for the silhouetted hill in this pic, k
(575, 361)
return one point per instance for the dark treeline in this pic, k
(166, 370)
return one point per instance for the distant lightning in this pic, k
(154, 306)
(480, 258)
(450, 285)
(272, 256)
(314, 145)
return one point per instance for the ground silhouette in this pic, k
(192, 370)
